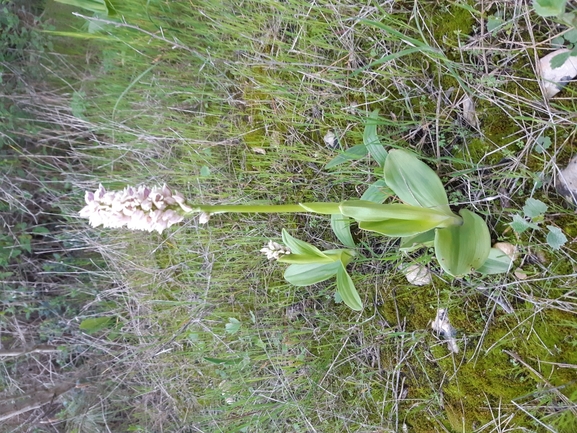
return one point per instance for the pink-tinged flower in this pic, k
(135, 208)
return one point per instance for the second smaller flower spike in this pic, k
(273, 250)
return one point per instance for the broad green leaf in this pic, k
(377, 192)
(300, 247)
(414, 182)
(412, 243)
(555, 238)
(321, 207)
(549, 8)
(96, 6)
(305, 275)
(463, 249)
(355, 152)
(304, 259)
(534, 208)
(362, 210)
(402, 228)
(497, 263)
(520, 224)
(347, 290)
(371, 139)
(95, 324)
(341, 226)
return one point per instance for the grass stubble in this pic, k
(229, 102)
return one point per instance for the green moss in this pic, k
(451, 24)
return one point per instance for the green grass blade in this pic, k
(371, 139)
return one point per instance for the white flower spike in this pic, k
(140, 208)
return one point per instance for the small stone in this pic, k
(419, 275)
(507, 248)
(554, 79)
(520, 274)
(331, 140)
(566, 182)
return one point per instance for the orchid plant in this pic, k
(419, 215)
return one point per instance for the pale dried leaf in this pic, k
(469, 113)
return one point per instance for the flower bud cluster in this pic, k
(273, 251)
(142, 208)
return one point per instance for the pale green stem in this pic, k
(452, 221)
(323, 208)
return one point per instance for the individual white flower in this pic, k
(203, 218)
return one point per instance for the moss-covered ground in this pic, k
(229, 102)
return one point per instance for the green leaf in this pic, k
(39, 230)
(356, 152)
(377, 192)
(462, 249)
(421, 240)
(232, 326)
(96, 6)
(371, 139)
(205, 171)
(558, 60)
(402, 228)
(305, 275)
(497, 263)
(555, 238)
(549, 8)
(95, 324)
(347, 290)
(362, 210)
(414, 182)
(534, 208)
(304, 259)
(571, 36)
(543, 143)
(341, 226)
(494, 22)
(223, 361)
(300, 247)
(520, 224)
